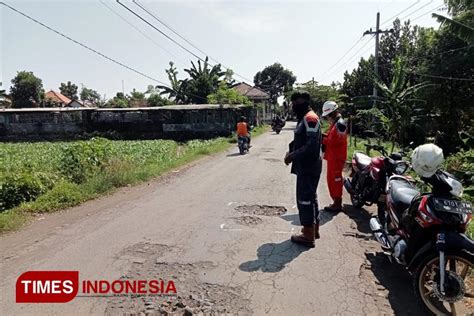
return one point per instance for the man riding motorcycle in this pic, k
(243, 129)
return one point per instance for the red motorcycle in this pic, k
(425, 232)
(370, 175)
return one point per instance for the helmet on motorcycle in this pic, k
(426, 159)
(329, 107)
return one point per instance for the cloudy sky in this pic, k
(308, 37)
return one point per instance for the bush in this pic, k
(22, 187)
(83, 158)
(461, 165)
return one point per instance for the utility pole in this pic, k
(376, 63)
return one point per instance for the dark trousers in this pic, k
(306, 196)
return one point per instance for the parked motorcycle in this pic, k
(243, 144)
(425, 232)
(370, 175)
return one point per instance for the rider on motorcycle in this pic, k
(243, 129)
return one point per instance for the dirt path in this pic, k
(220, 229)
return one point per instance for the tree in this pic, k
(226, 95)
(89, 95)
(137, 95)
(204, 80)
(321, 93)
(119, 101)
(69, 89)
(179, 88)
(450, 103)
(462, 21)
(157, 100)
(397, 108)
(275, 80)
(26, 90)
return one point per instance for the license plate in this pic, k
(452, 206)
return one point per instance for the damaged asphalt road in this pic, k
(220, 230)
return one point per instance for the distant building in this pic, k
(61, 100)
(254, 94)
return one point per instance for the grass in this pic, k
(66, 174)
(358, 146)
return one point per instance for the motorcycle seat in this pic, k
(402, 193)
(362, 160)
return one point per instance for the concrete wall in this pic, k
(173, 122)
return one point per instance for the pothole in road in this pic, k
(248, 220)
(194, 296)
(265, 210)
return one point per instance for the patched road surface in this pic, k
(220, 230)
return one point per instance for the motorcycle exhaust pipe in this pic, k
(348, 186)
(377, 230)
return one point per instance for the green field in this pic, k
(48, 176)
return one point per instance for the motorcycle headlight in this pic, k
(456, 187)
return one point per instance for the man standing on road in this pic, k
(305, 156)
(335, 153)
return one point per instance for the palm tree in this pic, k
(179, 88)
(462, 21)
(397, 108)
(204, 80)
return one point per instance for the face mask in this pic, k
(300, 109)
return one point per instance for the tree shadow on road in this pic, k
(273, 257)
(390, 276)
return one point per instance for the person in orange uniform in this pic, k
(335, 153)
(243, 128)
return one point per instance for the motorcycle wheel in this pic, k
(459, 290)
(278, 131)
(241, 150)
(356, 200)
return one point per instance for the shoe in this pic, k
(334, 207)
(306, 238)
(316, 231)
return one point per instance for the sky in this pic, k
(307, 37)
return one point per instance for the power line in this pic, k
(443, 77)
(434, 76)
(81, 44)
(410, 60)
(355, 55)
(345, 54)
(93, 50)
(396, 15)
(185, 39)
(141, 32)
(432, 10)
(160, 31)
(417, 10)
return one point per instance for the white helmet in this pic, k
(426, 159)
(329, 107)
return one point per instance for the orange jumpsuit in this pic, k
(335, 153)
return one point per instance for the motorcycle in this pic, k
(370, 175)
(425, 233)
(277, 125)
(243, 144)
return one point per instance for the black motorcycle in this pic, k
(426, 233)
(277, 125)
(243, 144)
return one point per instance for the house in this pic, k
(5, 102)
(254, 94)
(60, 100)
